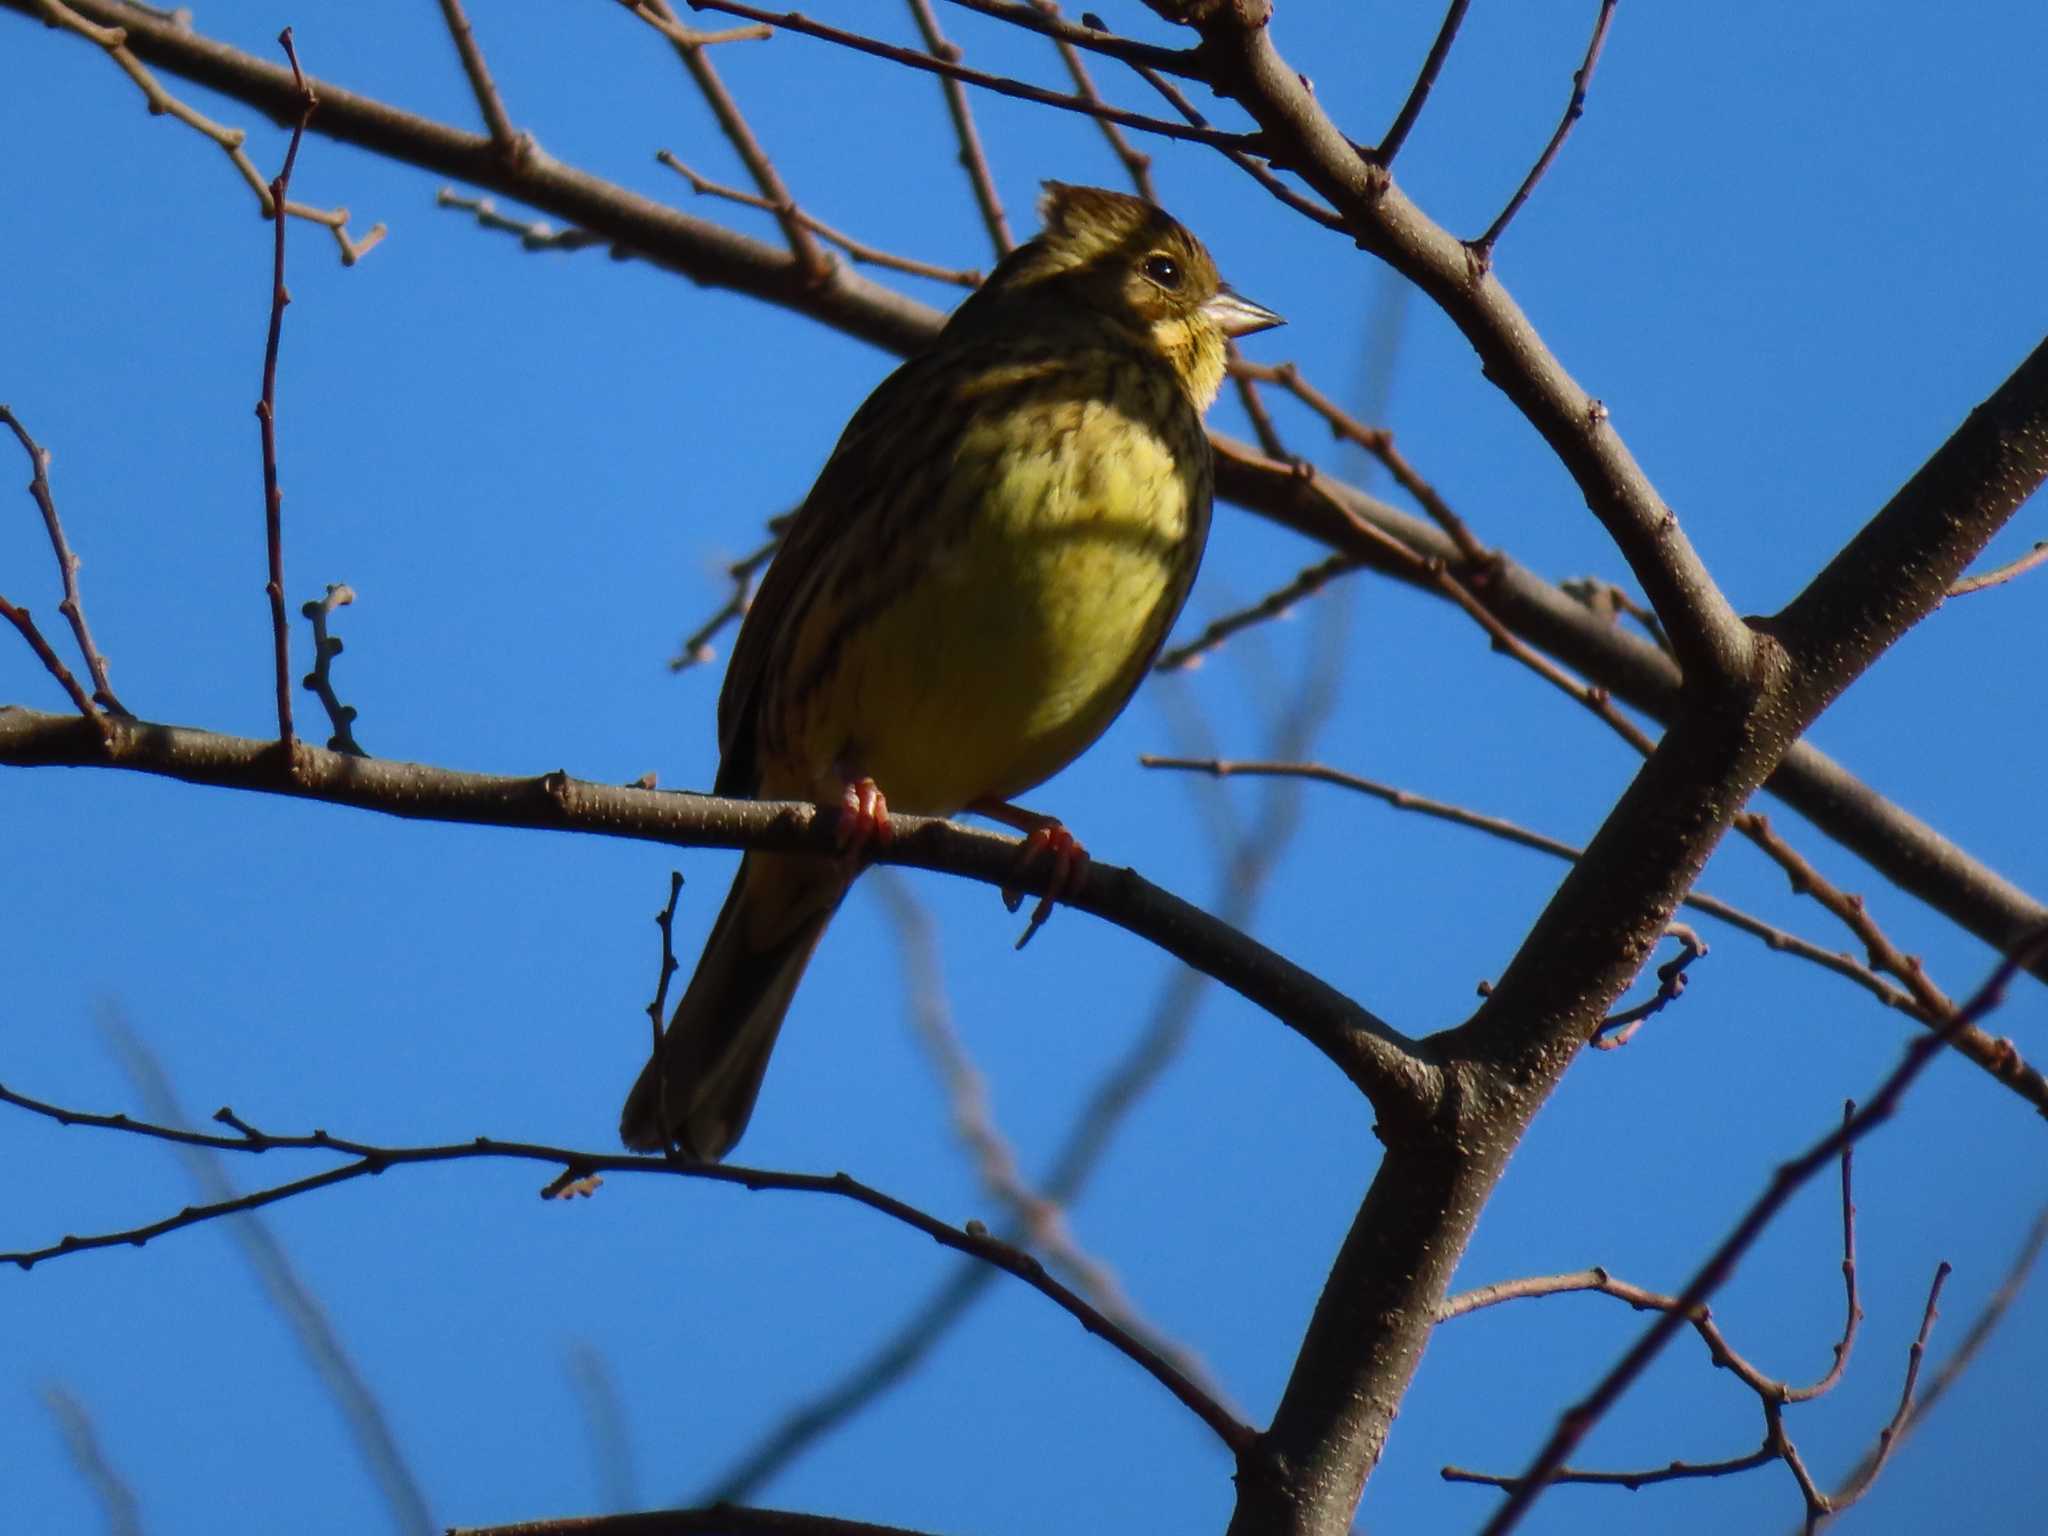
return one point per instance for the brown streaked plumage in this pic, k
(970, 594)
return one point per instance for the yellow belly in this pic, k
(1044, 581)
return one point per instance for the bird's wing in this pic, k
(885, 446)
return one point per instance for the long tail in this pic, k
(699, 1090)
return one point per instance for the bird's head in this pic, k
(1115, 260)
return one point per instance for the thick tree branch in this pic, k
(1593, 936)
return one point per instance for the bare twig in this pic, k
(696, 647)
(320, 681)
(1275, 604)
(859, 250)
(814, 263)
(1418, 94)
(1243, 159)
(657, 1008)
(1002, 85)
(1379, 442)
(53, 664)
(1136, 163)
(73, 606)
(368, 1160)
(693, 37)
(1089, 33)
(1889, 1437)
(534, 234)
(510, 142)
(266, 406)
(1986, 1322)
(1508, 831)
(163, 104)
(1578, 1420)
(1575, 107)
(2037, 556)
(972, 157)
(1617, 1029)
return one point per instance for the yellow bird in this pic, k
(979, 580)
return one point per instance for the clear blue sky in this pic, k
(1789, 247)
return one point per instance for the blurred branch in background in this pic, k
(117, 1501)
(369, 1426)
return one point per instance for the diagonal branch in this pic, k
(973, 158)
(1712, 643)
(73, 606)
(367, 1160)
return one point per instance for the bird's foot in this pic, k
(863, 819)
(1044, 836)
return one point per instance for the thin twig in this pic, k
(1418, 94)
(509, 141)
(1090, 34)
(1241, 157)
(1273, 605)
(1986, 1322)
(73, 606)
(693, 37)
(1600, 1281)
(320, 681)
(19, 617)
(1002, 85)
(2037, 556)
(657, 1008)
(1574, 1424)
(1617, 1029)
(696, 57)
(534, 234)
(1136, 163)
(859, 250)
(1889, 1437)
(1379, 442)
(1442, 810)
(163, 104)
(266, 405)
(972, 157)
(696, 647)
(368, 1159)
(1582, 79)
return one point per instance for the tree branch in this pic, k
(1382, 1062)
(1901, 846)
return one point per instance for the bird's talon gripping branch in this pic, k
(863, 819)
(1043, 835)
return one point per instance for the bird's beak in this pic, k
(1235, 315)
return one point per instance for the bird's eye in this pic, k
(1164, 271)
